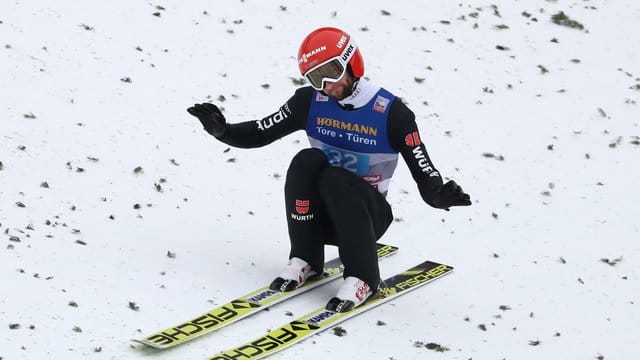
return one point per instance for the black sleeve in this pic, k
(291, 116)
(405, 139)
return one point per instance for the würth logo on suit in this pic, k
(302, 210)
(302, 206)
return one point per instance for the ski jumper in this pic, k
(335, 191)
(344, 176)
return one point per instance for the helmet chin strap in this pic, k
(348, 106)
(355, 81)
(353, 88)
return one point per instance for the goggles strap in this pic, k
(348, 51)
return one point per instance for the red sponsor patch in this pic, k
(362, 291)
(412, 139)
(302, 206)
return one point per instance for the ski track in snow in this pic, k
(120, 216)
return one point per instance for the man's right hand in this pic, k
(211, 118)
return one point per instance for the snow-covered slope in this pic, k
(119, 215)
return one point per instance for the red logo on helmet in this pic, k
(302, 206)
(306, 56)
(412, 139)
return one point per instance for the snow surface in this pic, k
(542, 134)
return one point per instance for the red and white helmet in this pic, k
(326, 53)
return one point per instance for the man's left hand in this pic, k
(450, 194)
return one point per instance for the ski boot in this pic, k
(293, 276)
(353, 293)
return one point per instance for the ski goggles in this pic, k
(331, 70)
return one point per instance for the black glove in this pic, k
(450, 194)
(211, 118)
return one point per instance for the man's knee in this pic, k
(310, 158)
(304, 171)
